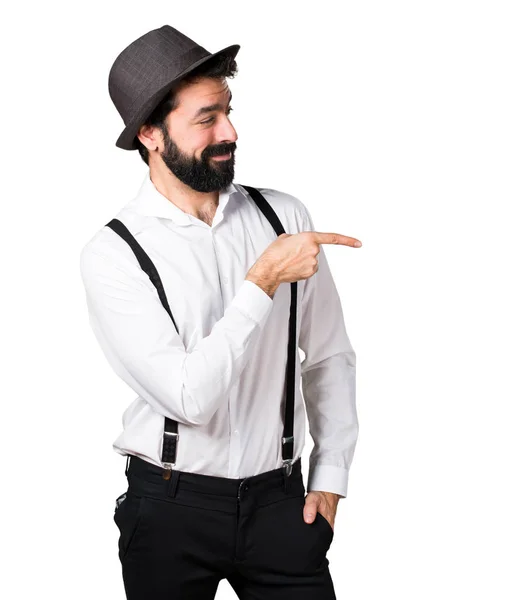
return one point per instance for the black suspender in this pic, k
(170, 435)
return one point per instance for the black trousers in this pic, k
(180, 537)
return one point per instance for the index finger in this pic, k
(336, 238)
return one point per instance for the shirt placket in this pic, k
(225, 283)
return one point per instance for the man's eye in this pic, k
(213, 118)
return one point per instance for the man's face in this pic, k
(202, 156)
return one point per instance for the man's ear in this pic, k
(149, 136)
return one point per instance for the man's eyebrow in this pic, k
(212, 107)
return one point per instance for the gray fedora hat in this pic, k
(144, 72)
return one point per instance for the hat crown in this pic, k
(138, 69)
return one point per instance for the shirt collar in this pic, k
(152, 203)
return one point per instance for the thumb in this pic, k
(310, 509)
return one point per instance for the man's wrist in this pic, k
(332, 496)
(265, 277)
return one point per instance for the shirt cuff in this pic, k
(328, 478)
(252, 301)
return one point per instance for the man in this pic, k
(189, 292)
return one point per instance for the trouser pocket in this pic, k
(127, 516)
(325, 523)
(278, 538)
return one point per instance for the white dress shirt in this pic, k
(223, 376)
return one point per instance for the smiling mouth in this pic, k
(223, 156)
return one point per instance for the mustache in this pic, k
(219, 150)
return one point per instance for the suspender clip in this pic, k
(167, 470)
(287, 462)
(287, 465)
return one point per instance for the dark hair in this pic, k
(218, 67)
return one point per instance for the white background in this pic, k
(398, 123)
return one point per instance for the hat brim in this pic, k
(127, 139)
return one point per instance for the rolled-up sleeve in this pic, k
(133, 327)
(328, 379)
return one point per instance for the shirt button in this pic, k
(236, 432)
(225, 279)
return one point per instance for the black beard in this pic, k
(203, 175)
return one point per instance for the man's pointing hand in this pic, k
(292, 257)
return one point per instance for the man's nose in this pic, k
(226, 133)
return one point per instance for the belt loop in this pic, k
(127, 464)
(284, 472)
(173, 484)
